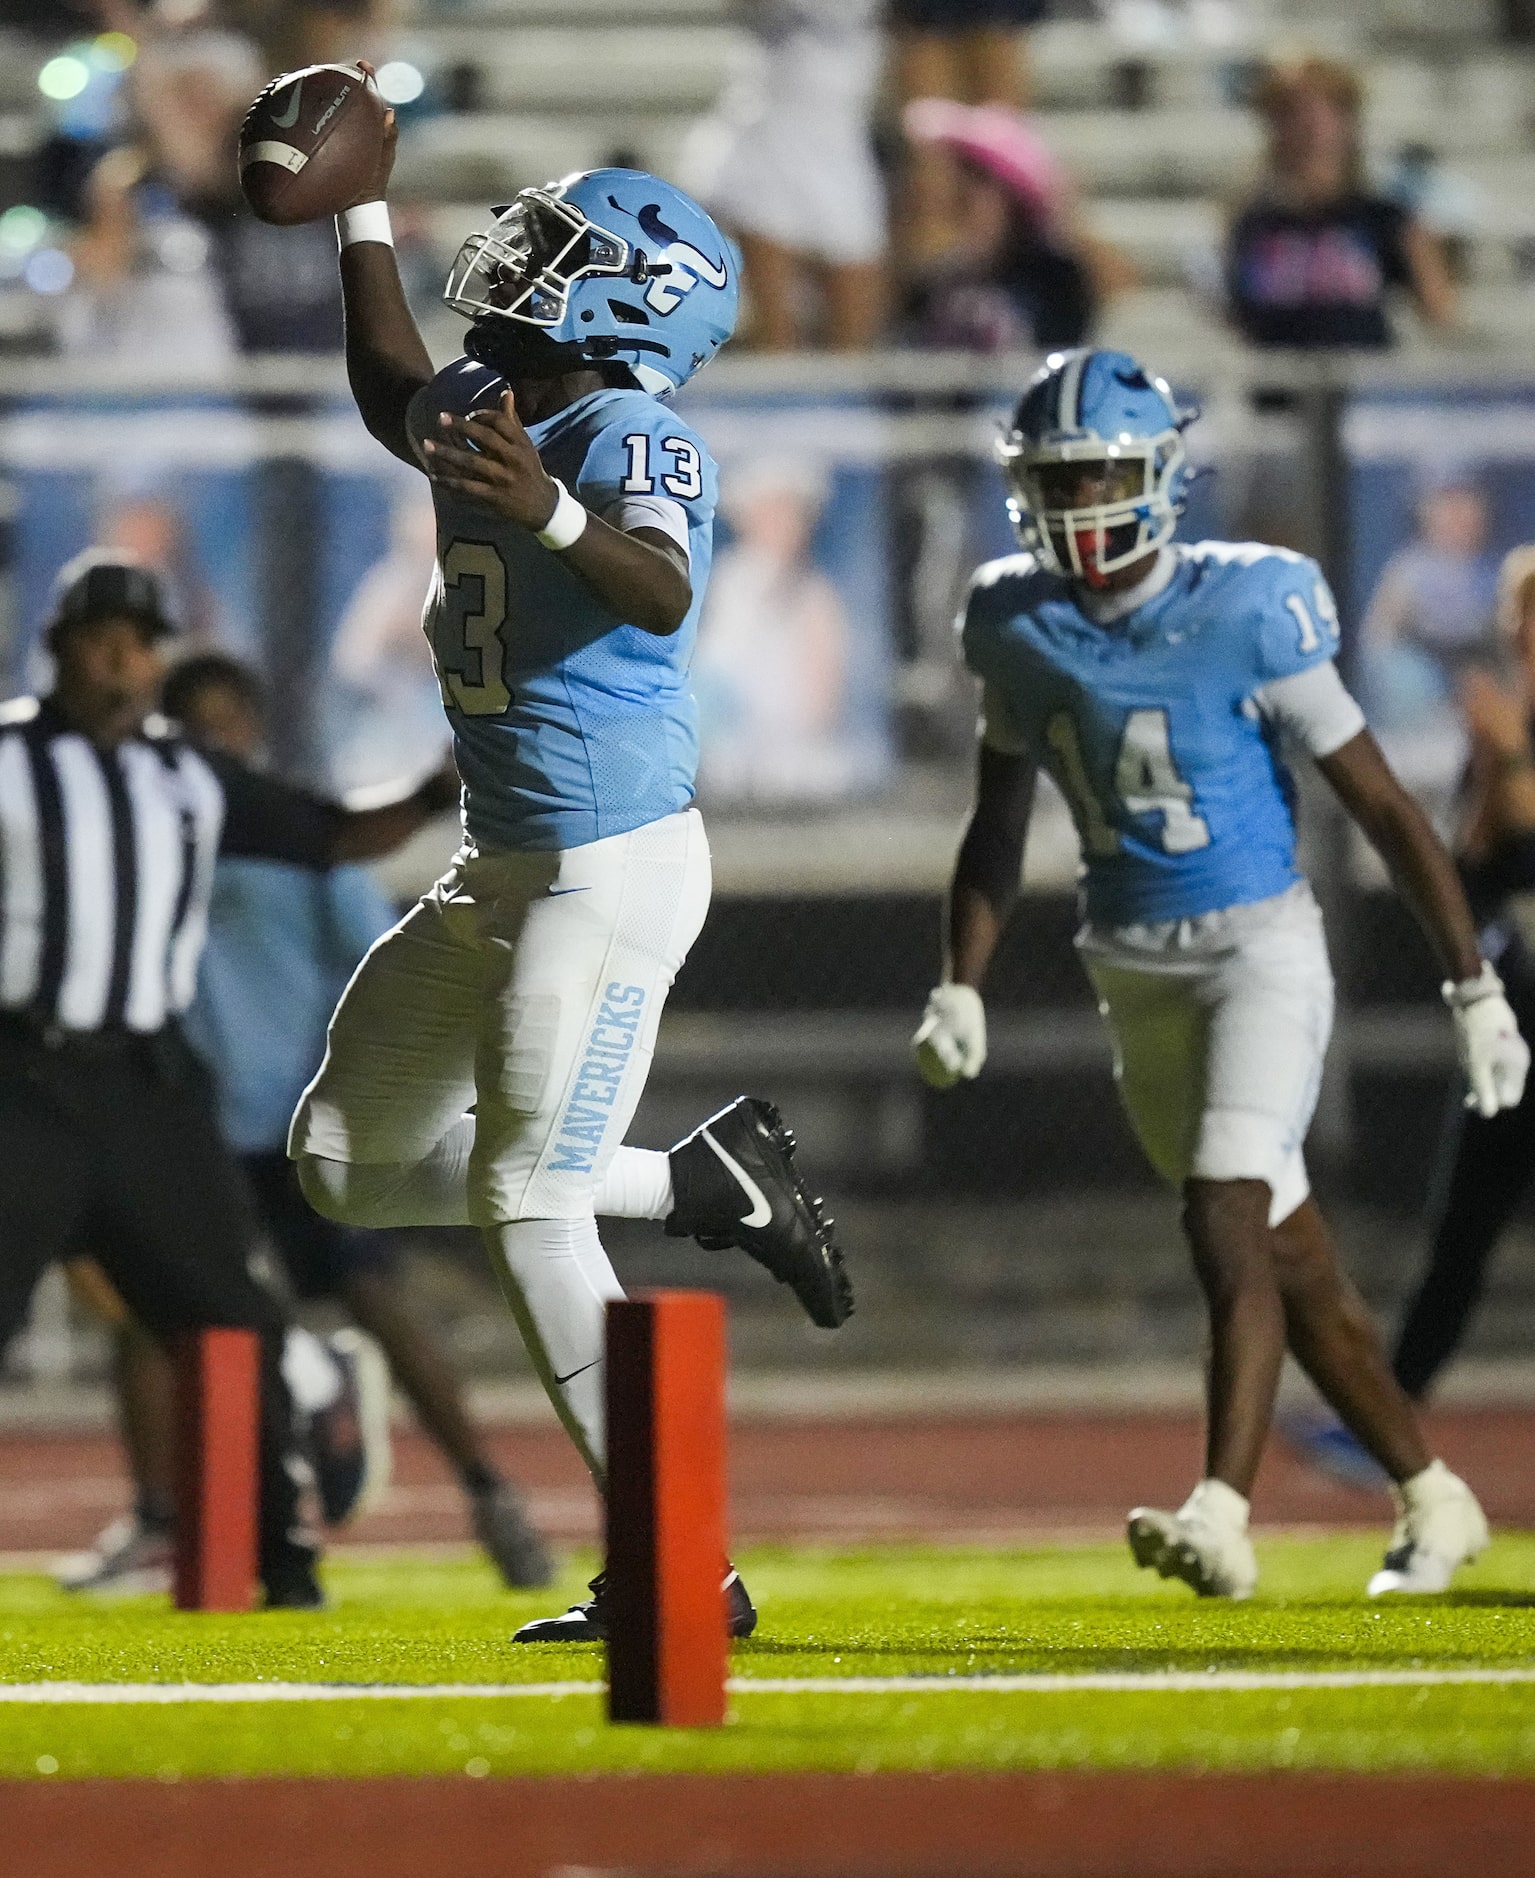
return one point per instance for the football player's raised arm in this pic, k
(387, 362)
(989, 866)
(1417, 860)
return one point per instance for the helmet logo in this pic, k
(686, 267)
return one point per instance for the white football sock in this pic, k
(312, 1374)
(1433, 1484)
(557, 1281)
(637, 1185)
(429, 1192)
(1218, 1505)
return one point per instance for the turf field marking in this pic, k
(1113, 1681)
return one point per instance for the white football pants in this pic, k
(1220, 1026)
(486, 1060)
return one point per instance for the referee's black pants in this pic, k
(113, 1139)
(1485, 1169)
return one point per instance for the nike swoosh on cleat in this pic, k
(761, 1213)
(290, 117)
(560, 1381)
(555, 892)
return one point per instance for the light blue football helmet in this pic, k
(611, 267)
(1100, 416)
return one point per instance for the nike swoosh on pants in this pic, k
(761, 1213)
(562, 1380)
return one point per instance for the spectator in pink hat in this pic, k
(974, 52)
(1020, 269)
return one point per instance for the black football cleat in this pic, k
(734, 1183)
(292, 1587)
(587, 1622)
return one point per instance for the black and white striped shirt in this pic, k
(106, 865)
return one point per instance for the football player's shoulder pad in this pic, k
(1000, 590)
(641, 446)
(1276, 599)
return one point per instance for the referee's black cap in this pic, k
(106, 583)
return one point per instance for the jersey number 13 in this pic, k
(1146, 782)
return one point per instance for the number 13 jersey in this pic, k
(1162, 726)
(570, 724)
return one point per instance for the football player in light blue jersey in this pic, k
(1162, 686)
(488, 1056)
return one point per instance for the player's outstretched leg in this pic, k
(1205, 1542)
(734, 1183)
(1333, 1337)
(586, 1622)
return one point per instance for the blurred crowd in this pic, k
(877, 161)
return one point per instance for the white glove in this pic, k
(951, 1039)
(1494, 1056)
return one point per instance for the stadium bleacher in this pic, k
(1147, 118)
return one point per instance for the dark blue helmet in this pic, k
(1094, 463)
(610, 266)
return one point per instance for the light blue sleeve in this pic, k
(1297, 625)
(647, 450)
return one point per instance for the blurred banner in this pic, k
(1441, 485)
(288, 538)
(850, 522)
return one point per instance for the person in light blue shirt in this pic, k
(486, 1061)
(1165, 688)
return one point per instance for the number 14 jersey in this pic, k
(570, 724)
(1161, 727)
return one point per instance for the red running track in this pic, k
(779, 1826)
(980, 1480)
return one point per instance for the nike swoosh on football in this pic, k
(290, 117)
(761, 1212)
(561, 1380)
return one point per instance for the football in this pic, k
(310, 142)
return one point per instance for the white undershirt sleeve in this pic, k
(999, 728)
(1313, 707)
(631, 512)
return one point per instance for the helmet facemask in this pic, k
(523, 266)
(1135, 510)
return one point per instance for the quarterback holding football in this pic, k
(1162, 685)
(488, 1056)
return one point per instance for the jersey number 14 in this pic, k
(1146, 782)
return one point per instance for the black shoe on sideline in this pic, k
(735, 1184)
(587, 1622)
(294, 1588)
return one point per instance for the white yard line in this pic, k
(1150, 1682)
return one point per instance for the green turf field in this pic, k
(871, 1613)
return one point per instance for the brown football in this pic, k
(310, 142)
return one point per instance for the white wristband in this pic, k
(567, 524)
(369, 221)
(1486, 984)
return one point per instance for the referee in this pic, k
(109, 829)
